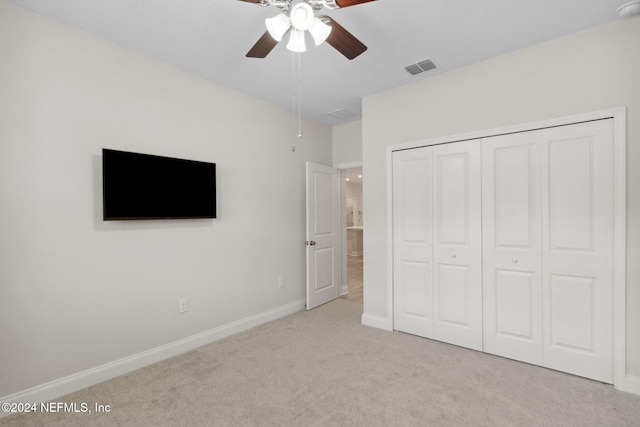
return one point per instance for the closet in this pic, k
(505, 245)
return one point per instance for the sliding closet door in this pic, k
(577, 224)
(512, 246)
(412, 242)
(457, 251)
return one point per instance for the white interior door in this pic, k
(413, 242)
(457, 250)
(577, 230)
(512, 247)
(322, 236)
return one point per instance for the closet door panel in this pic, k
(457, 246)
(412, 242)
(515, 304)
(453, 284)
(578, 249)
(512, 239)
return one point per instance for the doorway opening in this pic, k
(353, 230)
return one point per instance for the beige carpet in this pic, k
(322, 368)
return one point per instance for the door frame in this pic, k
(343, 223)
(620, 204)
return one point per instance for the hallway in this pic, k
(354, 278)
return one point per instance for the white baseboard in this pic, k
(633, 384)
(377, 322)
(80, 380)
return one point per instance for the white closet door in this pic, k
(512, 247)
(577, 223)
(457, 252)
(545, 228)
(412, 242)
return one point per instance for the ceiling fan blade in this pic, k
(263, 46)
(342, 40)
(252, 1)
(347, 3)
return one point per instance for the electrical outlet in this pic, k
(182, 305)
(281, 282)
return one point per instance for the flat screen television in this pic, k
(142, 186)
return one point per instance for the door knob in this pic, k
(515, 260)
(453, 256)
(311, 243)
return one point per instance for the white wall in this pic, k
(77, 292)
(347, 143)
(588, 71)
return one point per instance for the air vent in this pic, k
(341, 114)
(420, 67)
(414, 69)
(427, 65)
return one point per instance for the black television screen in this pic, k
(142, 186)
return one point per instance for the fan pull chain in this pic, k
(293, 98)
(299, 95)
(296, 96)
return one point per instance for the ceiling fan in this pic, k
(298, 16)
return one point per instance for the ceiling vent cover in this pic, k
(341, 114)
(420, 67)
(414, 69)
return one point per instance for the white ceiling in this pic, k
(210, 38)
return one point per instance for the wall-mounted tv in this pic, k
(142, 186)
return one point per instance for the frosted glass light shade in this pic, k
(278, 26)
(296, 42)
(629, 9)
(319, 31)
(302, 16)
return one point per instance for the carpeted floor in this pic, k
(323, 368)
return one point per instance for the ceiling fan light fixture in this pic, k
(296, 42)
(302, 16)
(629, 9)
(278, 26)
(319, 31)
